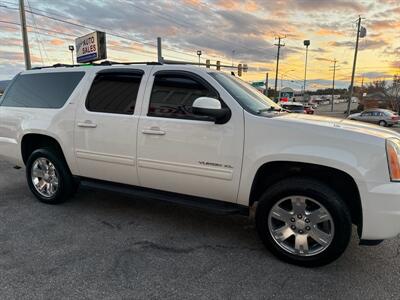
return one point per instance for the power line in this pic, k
(37, 37)
(170, 18)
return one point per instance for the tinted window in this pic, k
(367, 114)
(173, 96)
(114, 93)
(42, 90)
(246, 95)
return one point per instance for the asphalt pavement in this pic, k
(107, 246)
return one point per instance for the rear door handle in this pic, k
(153, 131)
(87, 124)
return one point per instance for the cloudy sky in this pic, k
(226, 30)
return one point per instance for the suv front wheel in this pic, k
(49, 177)
(304, 222)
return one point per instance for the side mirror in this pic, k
(210, 107)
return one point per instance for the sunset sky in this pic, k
(220, 28)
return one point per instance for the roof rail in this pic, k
(110, 63)
(178, 62)
(103, 63)
(56, 66)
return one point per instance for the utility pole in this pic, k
(266, 85)
(333, 82)
(279, 45)
(27, 55)
(354, 65)
(160, 58)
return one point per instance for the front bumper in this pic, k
(381, 211)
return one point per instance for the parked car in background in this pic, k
(308, 110)
(382, 117)
(293, 107)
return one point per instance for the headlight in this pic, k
(393, 155)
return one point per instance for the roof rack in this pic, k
(110, 63)
(56, 66)
(178, 62)
(103, 63)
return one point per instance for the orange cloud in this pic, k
(228, 4)
(384, 24)
(192, 2)
(248, 5)
(251, 6)
(57, 42)
(325, 31)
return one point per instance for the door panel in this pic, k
(106, 127)
(190, 156)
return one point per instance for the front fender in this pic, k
(361, 156)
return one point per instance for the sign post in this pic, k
(91, 47)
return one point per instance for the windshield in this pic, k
(247, 96)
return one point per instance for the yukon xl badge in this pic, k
(207, 163)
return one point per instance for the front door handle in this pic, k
(87, 124)
(153, 131)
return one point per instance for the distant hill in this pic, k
(3, 85)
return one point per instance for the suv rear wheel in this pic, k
(49, 177)
(304, 222)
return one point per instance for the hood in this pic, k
(347, 125)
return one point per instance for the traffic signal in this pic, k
(208, 63)
(240, 69)
(218, 65)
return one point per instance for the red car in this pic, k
(308, 110)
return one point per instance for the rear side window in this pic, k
(173, 95)
(42, 90)
(114, 93)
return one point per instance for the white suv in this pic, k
(206, 139)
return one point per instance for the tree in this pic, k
(376, 86)
(394, 93)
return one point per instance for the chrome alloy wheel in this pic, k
(44, 177)
(301, 225)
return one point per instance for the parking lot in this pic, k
(103, 245)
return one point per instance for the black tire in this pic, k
(66, 184)
(307, 187)
(382, 123)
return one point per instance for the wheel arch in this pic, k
(33, 141)
(342, 182)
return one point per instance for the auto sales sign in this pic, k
(91, 47)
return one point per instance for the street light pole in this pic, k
(306, 43)
(72, 48)
(199, 54)
(333, 82)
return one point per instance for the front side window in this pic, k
(173, 96)
(42, 90)
(114, 93)
(246, 95)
